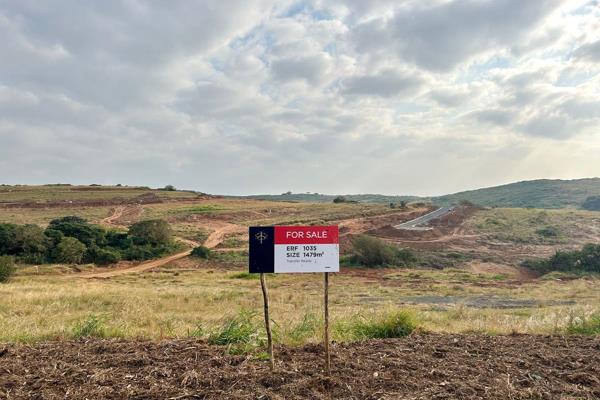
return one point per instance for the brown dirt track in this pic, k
(424, 366)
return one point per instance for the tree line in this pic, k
(73, 240)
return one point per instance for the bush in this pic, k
(393, 325)
(373, 252)
(101, 256)
(118, 240)
(548, 231)
(592, 203)
(32, 244)
(90, 327)
(70, 251)
(585, 260)
(340, 199)
(8, 243)
(7, 268)
(236, 330)
(201, 252)
(585, 326)
(153, 232)
(79, 229)
(169, 188)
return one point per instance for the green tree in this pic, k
(32, 243)
(169, 188)
(153, 231)
(70, 251)
(7, 268)
(8, 243)
(79, 229)
(100, 256)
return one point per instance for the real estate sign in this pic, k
(290, 249)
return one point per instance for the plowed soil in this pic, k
(424, 366)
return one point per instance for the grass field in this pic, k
(523, 225)
(189, 297)
(50, 193)
(180, 298)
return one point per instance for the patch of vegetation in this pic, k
(72, 240)
(370, 251)
(585, 326)
(239, 333)
(522, 225)
(391, 325)
(240, 256)
(585, 260)
(592, 203)
(201, 252)
(548, 232)
(7, 268)
(244, 275)
(305, 329)
(204, 209)
(92, 326)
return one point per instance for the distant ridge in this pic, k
(540, 193)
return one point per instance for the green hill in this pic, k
(541, 193)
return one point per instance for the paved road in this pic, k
(417, 224)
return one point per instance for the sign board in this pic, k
(290, 249)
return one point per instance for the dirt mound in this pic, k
(419, 367)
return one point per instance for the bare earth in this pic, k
(423, 366)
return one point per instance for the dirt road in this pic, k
(422, 367)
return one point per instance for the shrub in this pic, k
(8, 243)
(169, 188)
(592, 203)
(70, 251)
(585, 326)
(392, 325)
(340, 199)
(548, 231)
(201, 252)
(236, 330)
(90, 327)
(153, 232)
(118, 240)
(7, 268)
(32, 244)
(79, 229)
(585, 260)
(373, 252)
(101, 256)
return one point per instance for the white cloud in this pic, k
(328, 96)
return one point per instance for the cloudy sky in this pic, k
(253, 96)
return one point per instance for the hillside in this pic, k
(541, 193)
(328, 198)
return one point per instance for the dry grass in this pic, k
(175, 302)
(520, 225)
(64, 193)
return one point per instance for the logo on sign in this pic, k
(261, 237)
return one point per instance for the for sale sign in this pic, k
(287, 249)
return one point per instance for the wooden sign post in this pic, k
(293, 249)
(326, 335)
(263, 285)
